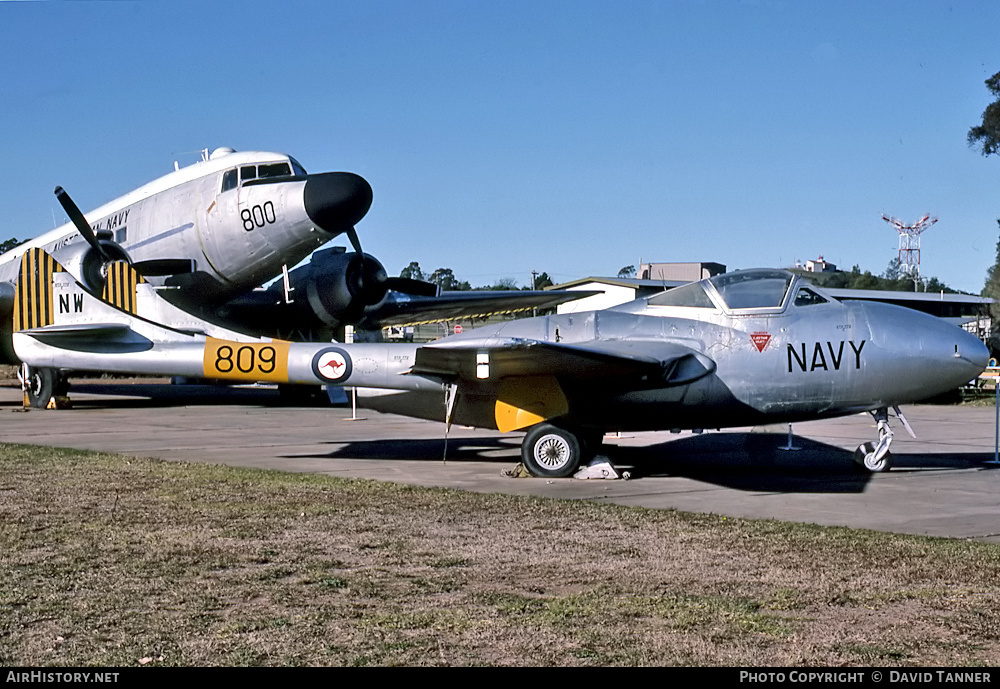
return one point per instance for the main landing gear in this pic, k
(875, 457)
(549, 451)
(41, 385)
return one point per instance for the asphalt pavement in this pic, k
(942, 483)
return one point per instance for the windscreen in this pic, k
(693, 295)
(753, 289)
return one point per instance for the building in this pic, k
(686, 272)
(820, 266)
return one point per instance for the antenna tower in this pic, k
(909, 243)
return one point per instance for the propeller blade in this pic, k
(417, 288)
(164, 266)
(80, 222)
(352, 234)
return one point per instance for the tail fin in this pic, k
(42, 299)
(33, 302)
(120, 286)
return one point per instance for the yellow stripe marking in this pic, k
(120, 286)
(34, 301)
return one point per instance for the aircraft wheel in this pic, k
(41, 386)
(865, 458)
(551, 452)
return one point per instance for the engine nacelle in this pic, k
(336, 288)
(87, 266)
(339, 285)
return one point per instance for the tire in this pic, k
(864, 456)
(41, 386)
(551, 452)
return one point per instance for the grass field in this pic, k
(113, 560)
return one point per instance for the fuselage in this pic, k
(239, 216)
(750, 347)
(783, 351)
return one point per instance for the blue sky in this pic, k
(500, 138)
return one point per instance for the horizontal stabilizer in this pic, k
(76, 329)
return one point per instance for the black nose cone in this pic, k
(336, 201)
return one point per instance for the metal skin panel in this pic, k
(633, 369)
(209, 245)
(230, 242)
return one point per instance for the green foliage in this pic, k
(992, 286)
(893, 280)
(542, 280)
(987, 135)
(9, 244)
(627, 272)
(412, 272)
(446, 280)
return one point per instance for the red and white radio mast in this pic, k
(909, 243)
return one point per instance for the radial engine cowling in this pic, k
(87, 265)
(340, 285)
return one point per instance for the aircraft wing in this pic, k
(664, 362)
(266, 312)
(402, 309)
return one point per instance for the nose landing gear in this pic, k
(875, 457)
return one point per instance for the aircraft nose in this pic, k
(336, 201)
(971, 351)
(925, 354)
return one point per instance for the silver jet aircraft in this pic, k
(745, 348)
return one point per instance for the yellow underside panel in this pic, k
(527, 400)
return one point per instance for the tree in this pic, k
(627, 272)
(992, 287)
(446, 280)
(412, 271)
(987, 134)
(542, 280)
(505, 284)
(893, 270)
(987, 137)
(9, 244)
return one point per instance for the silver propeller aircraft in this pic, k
(208, 234)
(745, 348)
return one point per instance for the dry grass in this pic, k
(112, 560)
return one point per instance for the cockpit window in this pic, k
(806, 297)
(297, 168)
(274, 170)
(693, 295)
(229, 180)
(753, 289)
(248, 172)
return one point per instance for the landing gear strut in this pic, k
(875, 457)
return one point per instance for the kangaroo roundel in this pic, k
(332, 364)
